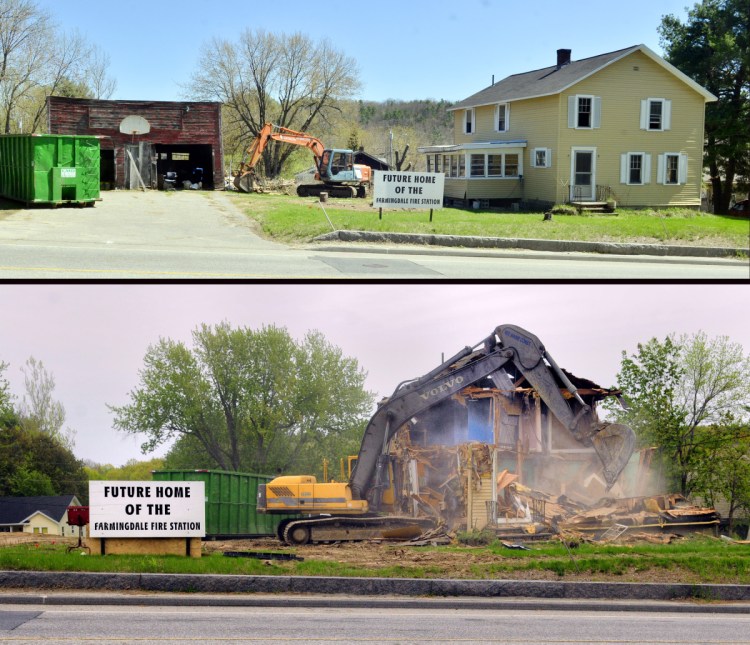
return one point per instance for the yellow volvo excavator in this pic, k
(366, 506)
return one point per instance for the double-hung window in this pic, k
(469, 125)
(635, 168)
(541, 158)
(656, 115)
(672, 169)
(502, 117)
(584, 112)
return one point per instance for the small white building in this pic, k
(41, 515)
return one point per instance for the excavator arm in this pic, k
(271, 132)
(508, 344)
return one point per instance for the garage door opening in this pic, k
(178, 164)
(107, 169)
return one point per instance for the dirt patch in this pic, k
(468, 563)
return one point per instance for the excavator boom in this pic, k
(341, 178)
(508, 344)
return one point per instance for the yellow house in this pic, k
(39, 515)
(626, 126)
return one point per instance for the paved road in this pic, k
(112, 624)
(191, 235)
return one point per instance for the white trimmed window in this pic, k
(502, 117)
(672, 169)
(635, 168)
(494, 165)
(469, 124)
(541, 158)
(656, 115)
(584, 112)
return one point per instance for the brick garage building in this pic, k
(143, 140)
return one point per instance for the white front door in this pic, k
(583, 174)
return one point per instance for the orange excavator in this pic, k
(336, 171)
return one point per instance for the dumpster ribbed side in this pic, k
(231, 501)
(50, 169)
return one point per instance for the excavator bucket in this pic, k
(614, 444)
(245, 182)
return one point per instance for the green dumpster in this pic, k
(231, 502)
(49, 168)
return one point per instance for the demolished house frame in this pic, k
(498, 459)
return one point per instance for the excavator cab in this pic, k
(338, 166)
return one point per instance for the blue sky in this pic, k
(405, 50)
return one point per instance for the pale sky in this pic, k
(404, 50)
(93, 337)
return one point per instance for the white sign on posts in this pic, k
(128, 509)
(408, 189)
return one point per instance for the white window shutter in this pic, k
(646, 169)
(533, 158)
(661, 167)
(624, 168)
(683, 169)
(572, 111)
(644, 114)
(597, 121)
(507, 117)
(667, 114)
(549, 158)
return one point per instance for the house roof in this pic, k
(17, 510)
(551, 80)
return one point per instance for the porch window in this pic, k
(454, 165)
(494, 165)
(462, 165)
(511, 166)
(477, 165)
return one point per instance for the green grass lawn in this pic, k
(294, 219)
(692, 561)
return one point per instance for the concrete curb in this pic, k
(188, 583)
(561, 246)
(310, 601)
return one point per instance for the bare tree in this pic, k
(37, 60)
(101, 84)
(264, 77)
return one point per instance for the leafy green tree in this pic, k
(713, 48)
(722, 473)
(29, 459)
(133, 470)
(677, 386)
(30, 483)
(7, 412)
(246, 400)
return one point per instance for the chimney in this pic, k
(563, 57)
